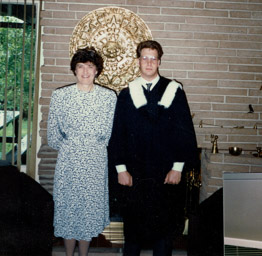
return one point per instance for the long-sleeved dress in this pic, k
(79, 127)
(151, 131)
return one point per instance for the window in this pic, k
(17, 79)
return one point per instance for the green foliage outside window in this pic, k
(11, 54)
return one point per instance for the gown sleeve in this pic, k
(117, 143)
(185, 133)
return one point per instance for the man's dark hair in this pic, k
(154, 45)
(88, 54)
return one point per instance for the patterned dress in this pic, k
(79, 127)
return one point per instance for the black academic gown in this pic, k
(148, 139)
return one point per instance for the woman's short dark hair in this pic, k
(154, 45)
(88, 54)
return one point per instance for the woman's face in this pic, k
(85, 73)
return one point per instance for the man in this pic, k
(152, 141)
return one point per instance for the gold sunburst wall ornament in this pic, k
(115, 33)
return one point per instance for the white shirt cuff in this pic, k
(121, 168)
(178, 166)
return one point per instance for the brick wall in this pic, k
(213, 47)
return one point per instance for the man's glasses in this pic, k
(149, 58)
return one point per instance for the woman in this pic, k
(79, 127)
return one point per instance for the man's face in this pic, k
(149, 63)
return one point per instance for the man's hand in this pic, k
(125, 179)
(173, 177)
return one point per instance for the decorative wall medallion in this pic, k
(115, 32)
